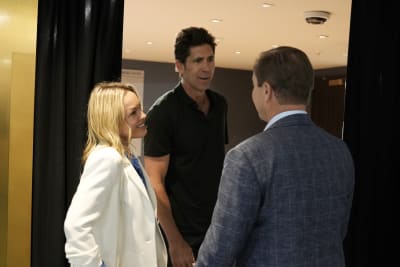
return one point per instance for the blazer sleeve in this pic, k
(235, 212)
(101, 175)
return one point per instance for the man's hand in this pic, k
(181, 254)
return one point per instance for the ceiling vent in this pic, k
(316, 17)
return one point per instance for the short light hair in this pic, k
(105, 114)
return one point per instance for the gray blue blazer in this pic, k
(284, 200)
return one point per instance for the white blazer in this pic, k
(112, 216)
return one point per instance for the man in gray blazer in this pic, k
(285, 194)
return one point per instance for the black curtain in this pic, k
(79, 43)
(371, 129)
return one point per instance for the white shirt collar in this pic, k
(282, 115)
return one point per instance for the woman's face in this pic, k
(134, 118)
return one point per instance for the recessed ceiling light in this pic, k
(237, 52)
(266, 5)
(323, 36)
(275, 46)
(149, 42)
(216, 20)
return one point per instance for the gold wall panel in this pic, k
(20, 157)
(18, 23)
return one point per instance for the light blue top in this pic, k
(282, 115)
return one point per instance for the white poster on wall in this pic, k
(136, 78)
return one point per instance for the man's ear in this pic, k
(267, 89)
(179, 67)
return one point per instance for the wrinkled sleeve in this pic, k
(158, 140)
(100, 176)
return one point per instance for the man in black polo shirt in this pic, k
(184, 147)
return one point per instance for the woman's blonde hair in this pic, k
(105, 114)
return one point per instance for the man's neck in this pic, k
(198, 96)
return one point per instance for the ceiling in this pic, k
(246, 27)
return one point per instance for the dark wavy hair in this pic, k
(189, 37)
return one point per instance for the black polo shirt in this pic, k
(195, 143)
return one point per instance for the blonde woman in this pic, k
(112, 217)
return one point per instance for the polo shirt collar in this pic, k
(187, 99)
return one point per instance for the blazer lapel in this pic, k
(134, 177)
(150, 191)
(149, 188)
